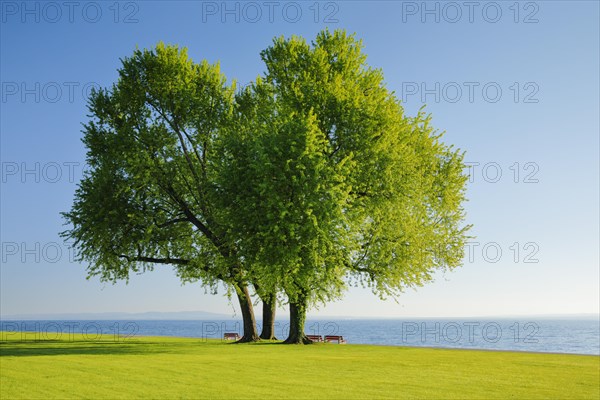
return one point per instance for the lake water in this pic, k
(555, 336)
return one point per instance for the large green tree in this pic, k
(309, 179)
(149, 195)
(328, 182)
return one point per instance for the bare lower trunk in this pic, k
(268, 317)
(250, 332)
(297, 320)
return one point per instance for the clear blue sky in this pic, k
(516, 86)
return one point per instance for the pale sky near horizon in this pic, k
(514, 84)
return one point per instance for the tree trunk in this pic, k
(250, 332)
(268, 317)
(297, 320)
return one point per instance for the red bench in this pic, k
(335, 338)
(231, 335)
(315, 338)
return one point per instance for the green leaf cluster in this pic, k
(309, 179)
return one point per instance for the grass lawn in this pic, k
(157, 367)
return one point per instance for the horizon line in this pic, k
(136, 315)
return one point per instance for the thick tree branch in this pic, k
(192, 218)
(177, 131)
(168, 260)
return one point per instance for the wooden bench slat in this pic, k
(315, 338)
(339, 339)
(231, 335)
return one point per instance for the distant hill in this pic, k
(151, 315)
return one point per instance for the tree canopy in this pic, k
(307, 180)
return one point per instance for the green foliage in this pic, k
(326, 179)
(285, 205)
(309, 179)
(146, 197)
